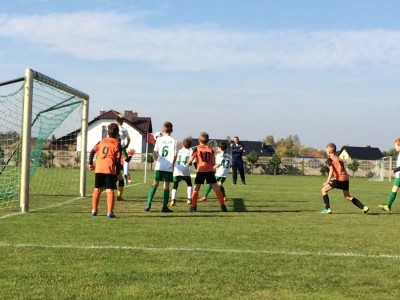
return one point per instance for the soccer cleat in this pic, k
(193, 209)
(147, 207)
(111, 216)
(94, 213)
(385, 207)
(365, 209)
(204, 198)
(223, 208)
(172, 203)
(165, 209)
(326, 211)
(189, 202)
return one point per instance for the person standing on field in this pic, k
(396, 182)
(237, 150)
(107, 167)
(164, 154)
(337, 179)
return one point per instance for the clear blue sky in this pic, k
(326, 70)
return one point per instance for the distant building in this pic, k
(360, 153)
(137, 127)
(259, 147)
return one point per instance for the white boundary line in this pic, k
(56, 205)
(184, 249)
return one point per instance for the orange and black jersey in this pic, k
(339, 170)
(205, 158)
(108, 156)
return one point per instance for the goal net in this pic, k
(41, 121)
(382, 169)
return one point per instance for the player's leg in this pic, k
(110, 187)
(392, 196)
(167, 178)
(327, 207)
(152, 190)
(355, 201)
(189, 189)
(234, 173)
(241, 172)
(207, 190)
(120, 189)
(174, 190)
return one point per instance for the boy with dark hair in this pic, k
(164, 154)
(204, 155)
(337, 179)
(107, 167)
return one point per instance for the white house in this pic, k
(137, 127)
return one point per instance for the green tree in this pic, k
(150, 159)
(323, 168)
(274, 162)
(353, 166)
(252, 159)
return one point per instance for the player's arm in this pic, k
(91, 156)
(192, 157)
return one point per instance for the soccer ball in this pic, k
(157, 134)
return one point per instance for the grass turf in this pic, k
(272, 244)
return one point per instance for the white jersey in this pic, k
(398, 165)
(123, 135)
(166, 147)
(181, 167)
(224, 160)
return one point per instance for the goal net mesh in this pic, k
(54, 159)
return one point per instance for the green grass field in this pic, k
(272, 244)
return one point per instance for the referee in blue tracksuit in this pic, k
(237, 150)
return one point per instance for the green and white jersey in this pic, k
(123, 135)
(181, 167)
(225, 160)
(166, 146)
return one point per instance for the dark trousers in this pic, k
(238, 166)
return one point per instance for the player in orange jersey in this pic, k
(107, 167)
(337, 179)
(205, 157)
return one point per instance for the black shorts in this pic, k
(340, 185)
(107, 181)
(209, 177)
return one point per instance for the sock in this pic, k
(120, 191)
(173, 194)
(189, 192)
(166, 198)
(391, 198)
(357, 203)
(110, 201)
(326, 201)
(220, 197)
(194, 198)
(152, 191)
(96, 199)
(207, 190)
(222, 190)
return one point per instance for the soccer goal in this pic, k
(41, 121)
(382, 169)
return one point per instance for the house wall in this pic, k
(95, 135)
(344, 155)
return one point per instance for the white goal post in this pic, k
(44, 100)
(382, 169)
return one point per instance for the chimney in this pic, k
(130, 115)
(102, 111)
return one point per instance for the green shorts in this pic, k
(163, 176)
(221, 179)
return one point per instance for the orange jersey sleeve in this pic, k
(108, 151)
(205, 158)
